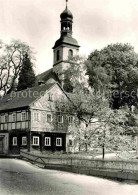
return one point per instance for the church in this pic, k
(29, 119)
(66, 46)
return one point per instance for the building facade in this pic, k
(29, 120)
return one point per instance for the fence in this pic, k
(120, 165)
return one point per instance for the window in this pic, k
(9, 126)
(70, 119)
(58, 141)
(18, 116)
(70, 53)
(47, 141)
(50, 97)
(43, 117)
(49, 117)
(36, 116)
(14, 141)
(70, 142)
(2, 119)
(60, 119)
(13, 125)
(2, 127)
(58, 55)
(6, 118)
(36, 141)
(23, 116)
(24, 141)
(5, 126)
(13, 117)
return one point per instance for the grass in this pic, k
(132, 155)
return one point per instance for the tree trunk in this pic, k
(103, 151)
(86, 147)
(79, 147)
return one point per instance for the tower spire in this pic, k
(66, 3)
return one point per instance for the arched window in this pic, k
(70, 53)
(58, 55)
(69, 26)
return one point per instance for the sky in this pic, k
(96, 24)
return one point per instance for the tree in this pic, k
(75, 77)
(26, 76)
(114, 69)
(96, 124)
(11, 60)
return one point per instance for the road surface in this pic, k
(18, 177)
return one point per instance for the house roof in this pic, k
(23, 98)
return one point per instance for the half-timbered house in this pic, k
(29, 120)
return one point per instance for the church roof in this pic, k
(68, 40)
(66, 14)
(49, 74)
(24, 98)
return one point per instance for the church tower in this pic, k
(66, 46)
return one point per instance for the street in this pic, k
(18, 177)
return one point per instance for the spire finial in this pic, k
(66, 3)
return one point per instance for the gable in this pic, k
(48, 99)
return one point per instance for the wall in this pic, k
(43, 107)
(64, 53)
(52, 147)
(87, 163)
(5, 142)
(61, 65)
(14, 125)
